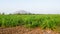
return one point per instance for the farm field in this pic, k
(34, 22)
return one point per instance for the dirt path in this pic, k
(22, 30)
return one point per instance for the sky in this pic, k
(33, 6)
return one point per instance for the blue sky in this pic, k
(34, 6)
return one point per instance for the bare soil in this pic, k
(23, 30)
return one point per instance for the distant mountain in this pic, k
(22, 12)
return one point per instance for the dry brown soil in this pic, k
(23, 30)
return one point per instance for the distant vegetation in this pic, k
(43, 21)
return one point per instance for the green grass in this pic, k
(44, 21)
